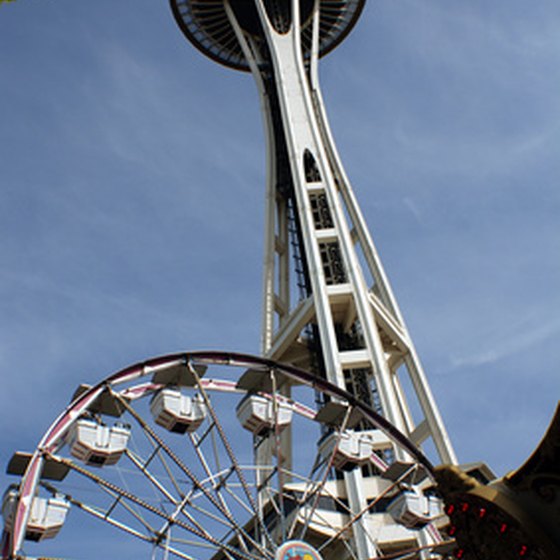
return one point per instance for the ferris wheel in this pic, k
(213, 455)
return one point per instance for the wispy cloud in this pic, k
(509, 341)
(456, 91)
(133, 185)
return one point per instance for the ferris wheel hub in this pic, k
(297, 550)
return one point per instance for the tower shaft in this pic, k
(344, 298)
(327, 303)
(328, 306)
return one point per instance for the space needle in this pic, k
(328, 306)
(321, 448)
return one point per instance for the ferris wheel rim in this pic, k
(239, 359)
(148, 367)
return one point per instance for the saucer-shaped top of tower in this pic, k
(205, 23)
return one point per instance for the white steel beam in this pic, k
(314, 216)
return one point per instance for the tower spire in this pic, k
(328, 305)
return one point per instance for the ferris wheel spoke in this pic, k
(105, 514)
(234, 528)
(202, 534)
(318, 489)
(171, 521)
(325, 490)
(347, 526)
(312, 487)
(173, 456)
(219, 483)
(260, 528)
(196, 442)
(322, 520)
(232, 457)
(224, 438)
(188, 484)
(169, 549)
(120, 501)
(238, 500)
(90, 510)
(152, 479)
(217, 502)
(157, 452)
(277, 451)
(314, 495)
(412, 553)
(370, 505)
(193, 497)
(118, 498)
(179, 504)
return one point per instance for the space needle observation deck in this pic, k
(207, 25)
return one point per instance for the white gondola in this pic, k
(348, 449)
(257, 414)
(177, 412)
(413, 508)
(97, 444)
(46, 517)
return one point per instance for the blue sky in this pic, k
(132, 200)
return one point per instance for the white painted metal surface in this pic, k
(347, 449)
(260, 414)
(413, 508)
(328, 307)
(177, 412)
(47, 515)
(346, 295)
(97, 444)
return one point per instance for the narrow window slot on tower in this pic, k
(349, 339)
(333, 265)
(312, 173)
(322, 216)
